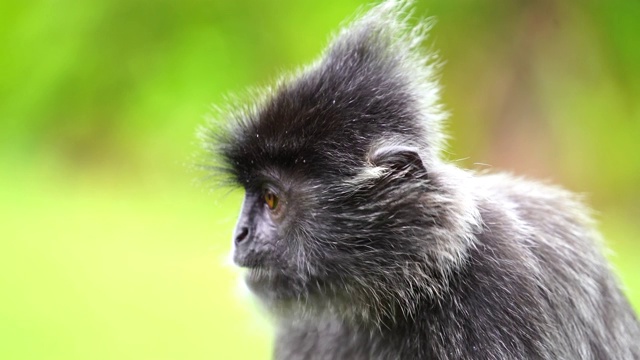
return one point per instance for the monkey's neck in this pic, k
(334, 338)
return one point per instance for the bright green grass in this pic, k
(91, 271)
(92, 268)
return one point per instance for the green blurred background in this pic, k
(109, 248)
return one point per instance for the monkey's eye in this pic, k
(270, 199)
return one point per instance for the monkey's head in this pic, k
(347, 207)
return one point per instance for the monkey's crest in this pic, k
(372, 83)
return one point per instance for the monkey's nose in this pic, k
(242, 235)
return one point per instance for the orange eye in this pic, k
(271, 200)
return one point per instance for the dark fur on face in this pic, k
(379, 249)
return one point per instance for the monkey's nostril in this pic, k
(242, 235)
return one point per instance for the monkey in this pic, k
(362, 242)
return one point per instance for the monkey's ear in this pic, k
(399, 159)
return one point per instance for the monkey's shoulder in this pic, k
(532, 205)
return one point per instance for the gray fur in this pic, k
(385, 251)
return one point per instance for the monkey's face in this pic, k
(265, 240)
(335, 241)
(273, 240)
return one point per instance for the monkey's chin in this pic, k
(271, 285)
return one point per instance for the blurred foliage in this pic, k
(107, 248)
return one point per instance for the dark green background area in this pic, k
(111, 249)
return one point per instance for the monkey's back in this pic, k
(538, 258)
